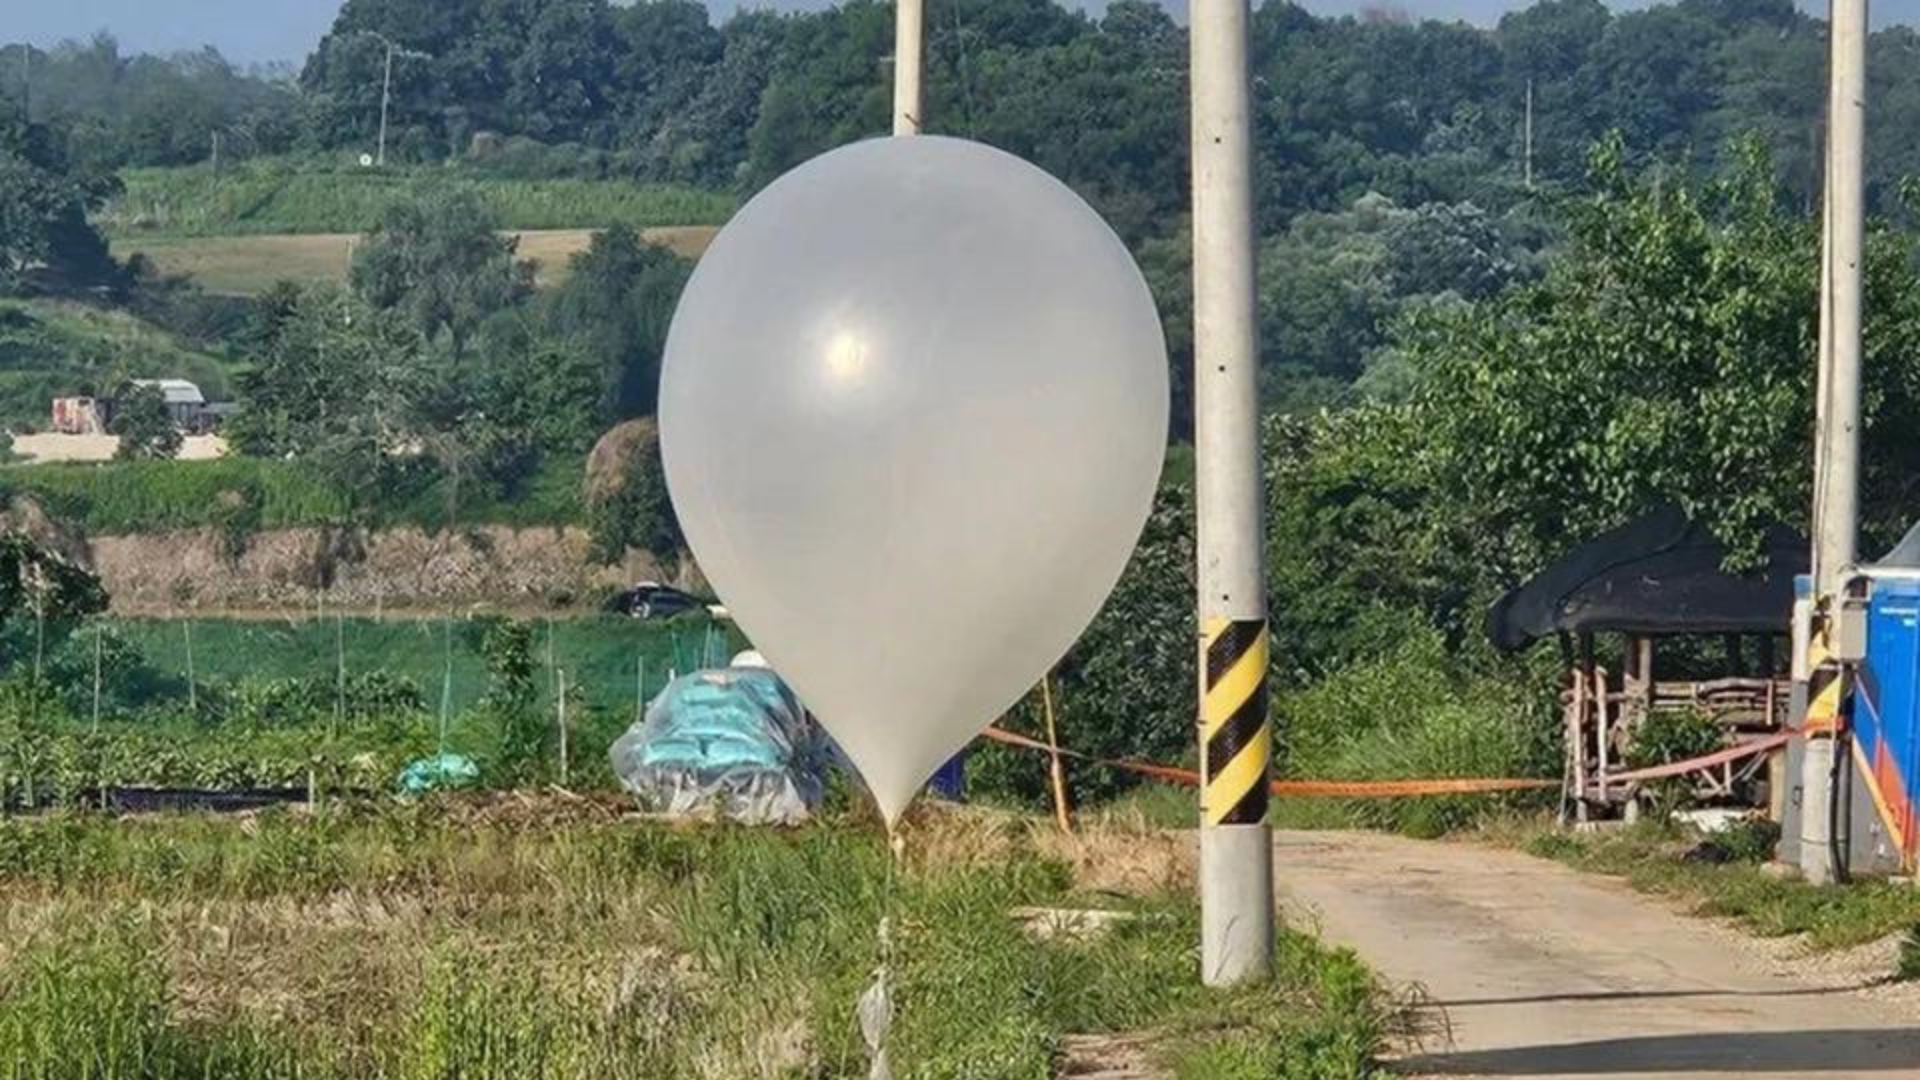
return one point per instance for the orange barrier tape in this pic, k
(1399, 789)
(1334, 789)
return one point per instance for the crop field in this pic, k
(247, 264)
(275, 197)
(608, 660)
(525, 938)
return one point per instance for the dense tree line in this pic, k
(119, 109)
(1393, 170)
(1418, 111)
(439, 360)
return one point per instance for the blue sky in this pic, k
(266, 30)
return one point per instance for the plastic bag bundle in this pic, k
(734, 740)
(441, 772)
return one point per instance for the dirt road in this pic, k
(1543, 972)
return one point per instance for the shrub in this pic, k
(1907, 966)
(1409, 714)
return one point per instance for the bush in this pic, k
(1409, 715)
(1907, 967)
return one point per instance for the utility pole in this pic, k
(909, 49)
(1837, 439)
(1236, 847)
(386, 99)
(1529, 135)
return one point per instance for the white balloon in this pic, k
(912, 413)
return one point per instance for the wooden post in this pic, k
(560, 708)
(1056, 769)
(1577, 733)
(96, 678)
(339, 674)
(1604, 725)
(193, 692)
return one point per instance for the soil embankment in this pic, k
(351, 570)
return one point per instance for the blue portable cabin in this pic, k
(1886, 714)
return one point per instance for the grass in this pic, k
(1652, 859)
(50, 348)
(121, 498)
(273, 196)
(502, 938)
(247, 264)
(1409, 715)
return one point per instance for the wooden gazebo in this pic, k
(1663, 578)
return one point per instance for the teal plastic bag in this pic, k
(441, 772)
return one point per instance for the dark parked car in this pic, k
(652, 600)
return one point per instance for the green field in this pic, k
(247, 264)
(283, 197)
(245, 494)
(603, 656)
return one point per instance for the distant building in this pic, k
(79, 416)
(190, 409)
(185, 402)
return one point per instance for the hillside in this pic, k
(279, 196)
(53, 347)
(248, 264)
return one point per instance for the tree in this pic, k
(440, 260)
(44, 203)
(1665, 357)
(563, 76)
(339, 383)
(143, 423)
(615, 304)
(1332, 285)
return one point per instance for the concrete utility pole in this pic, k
(1236, 848)
(909, 50)
(1529, 134)
(386, 100)
(1837, 439)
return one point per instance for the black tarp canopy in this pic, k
(1905, 554)
(1660, 574)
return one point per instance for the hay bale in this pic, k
(624, 449)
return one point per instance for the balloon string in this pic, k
(876, 1005)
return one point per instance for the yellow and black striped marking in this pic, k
(1827, 683)
(1233, 722)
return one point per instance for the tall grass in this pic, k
(292, 197)
(1653, 858)
(464, 940)
(1406, 715)
(95, 1004)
